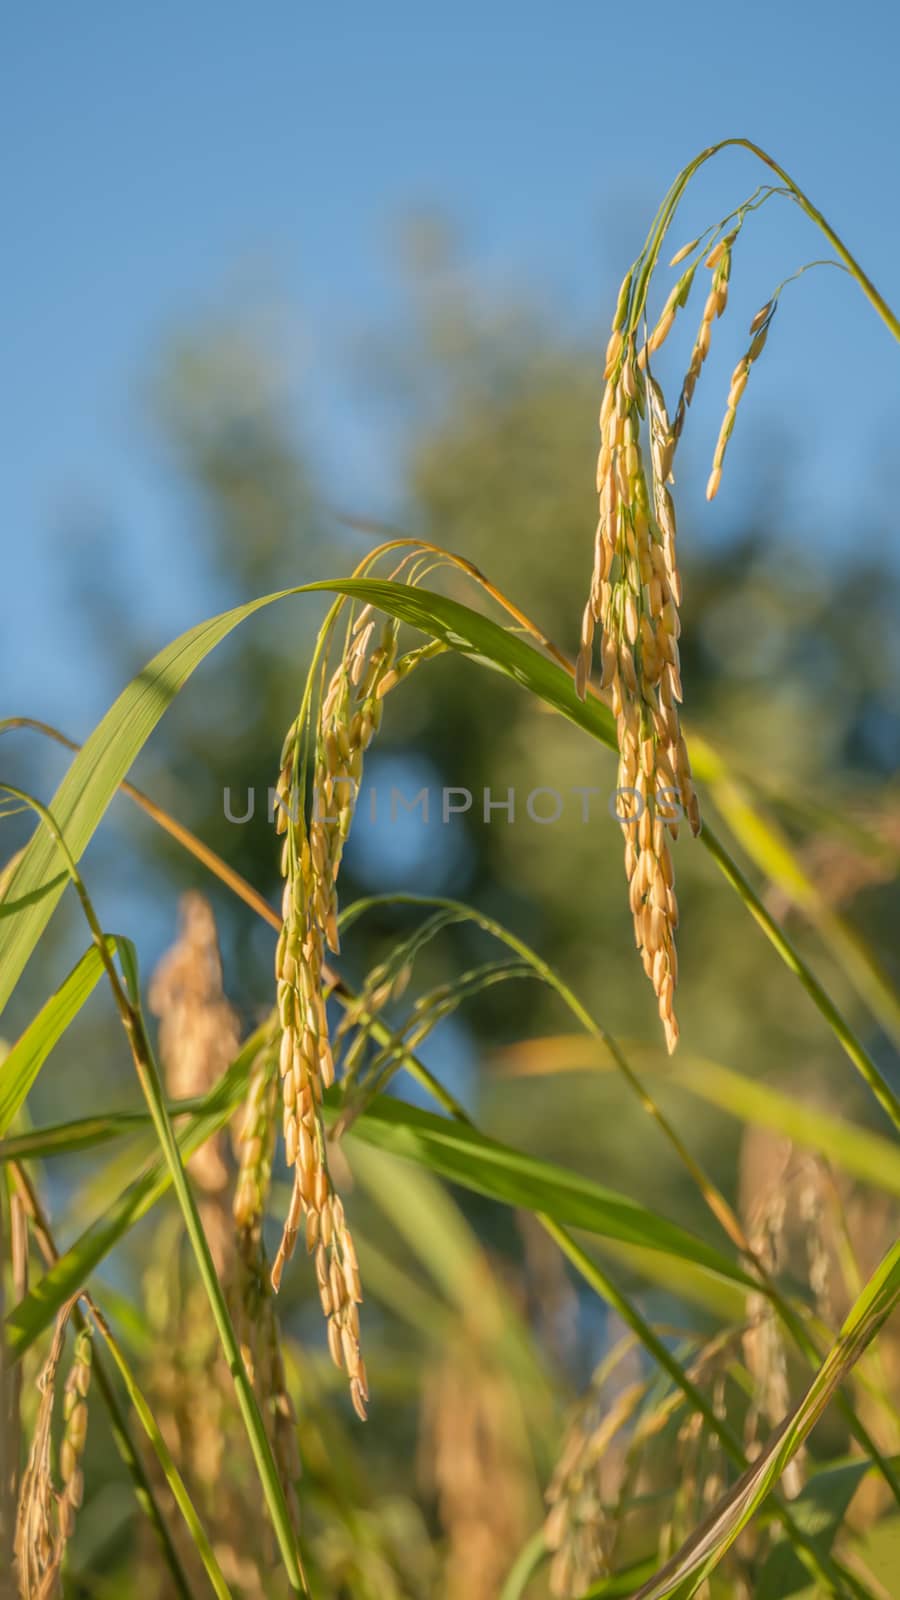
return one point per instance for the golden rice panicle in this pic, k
(635, 594)
(350, 716)
(759, 328)
(254, 1313)
(46, 1515)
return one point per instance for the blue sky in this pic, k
(157, 155)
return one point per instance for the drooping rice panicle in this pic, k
(636, 588)
(46, 1514)
(255, 1146)
(75, 1419)
(634, 597)
(349, 717)
(765, 1166)
(347, 720)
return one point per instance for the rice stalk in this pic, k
(199, 1038)
(126, 995)
(16, 1252)
(128, 1451)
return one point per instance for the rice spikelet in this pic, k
(765, 1166)
(719, 263)
(759, 328)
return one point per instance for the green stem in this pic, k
(670, 205)
(172, 1475)
(125, 1445)
(525, 1566)
(860, 1057)
(128, 1006)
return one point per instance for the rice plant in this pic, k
(685, 1466)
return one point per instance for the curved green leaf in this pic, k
(681, 1577)
(100, 766)
(820, 1510)
(465, 1156)
(452, 1149)
(103, 761)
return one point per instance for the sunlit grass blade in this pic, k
(448, 1148)
(81, 1133)
(701, 1553)
(101, 765)
(127, 998)
(820, 1508)
(151, 1083)
(465, 1156)
(818, 1564)
(524, 1568)
(33, 1315)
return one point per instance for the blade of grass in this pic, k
(104, 760)
(681, 1577)
(143, 1488)
(715, 1200)
(822, 1567)
(24, 1061)
(465, 1156)
(524, 1567)
(457, 1152)
(820, 1507)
